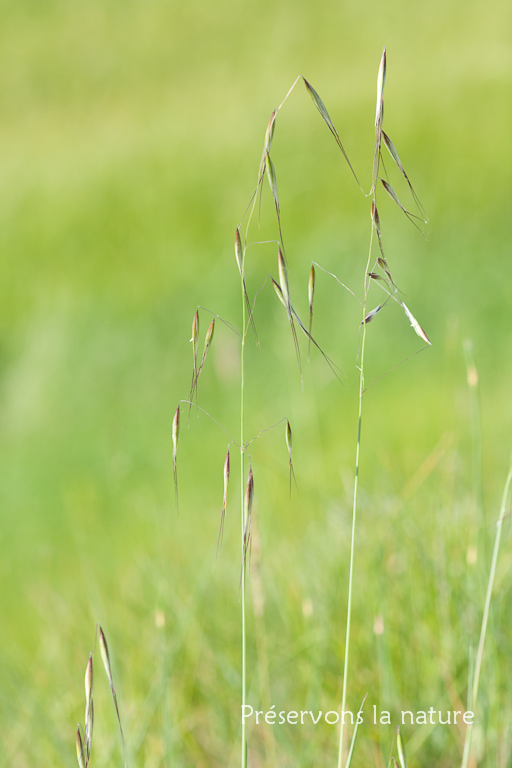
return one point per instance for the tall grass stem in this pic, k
(485, 617)
(354, 511)
(243, 761)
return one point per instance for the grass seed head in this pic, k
(279, 293)
(208, 338)
(283, 278)
(195, 335)
(289, 438)
(105, 654)
(269, 134)
(375, 218)
(224, 499)
(175, 432)
(89, 723)
(415, 325)
(369, 317)
(272, 179)
(311, 288)
(380, 89)
(249, 495)
(80, 749)
(88, 682)
(239, 252)
(226, 472)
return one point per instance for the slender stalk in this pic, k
(354, 512)
(485, 617)
(243, 761)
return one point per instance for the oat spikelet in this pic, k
(195, 348)
(311, 295)
(89, 707)
(279, 294)
(239, 252)
(248, 499)
(416, 326)
(379, 116)
(326, 118)
(391, 192)
(175, 438)
(394, 154)
(381, 260)
(288, 435)
(207, 345)
(208, 340)
(195, 338)
(80, 754)
(224, 500)
(283, 277)
(272, 178)
(269, 134)
(240, 258)
(369, 317)
(381, 78)
(108, 669)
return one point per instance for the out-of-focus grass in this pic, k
(130, 138)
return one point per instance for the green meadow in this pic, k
(130, 140)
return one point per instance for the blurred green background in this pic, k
(130, 138)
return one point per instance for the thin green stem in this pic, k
(354, 513)
(485, 617)
(242, 519)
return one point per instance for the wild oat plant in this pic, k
(376, 278)
(377, 272)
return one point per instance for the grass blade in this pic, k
(354, 735)
(400, 749)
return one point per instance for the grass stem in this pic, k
(354, 512)
(485, 617)
(243, 761)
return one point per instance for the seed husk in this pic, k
(108, 669)
(88, 682)
(381, 78)
(391, 192)
(240, 258)
(88, 729)
(269, 134)
(285, 298)
(311, 295)
(175, 438)
(224, 500)
(239, 253)
(416, 326)
(195, 347)
(80, 749)
(288, 435)
(272, 178)
(327, 119)
(248, 499)
(394, 154)
(279, 294)
(369, 317)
